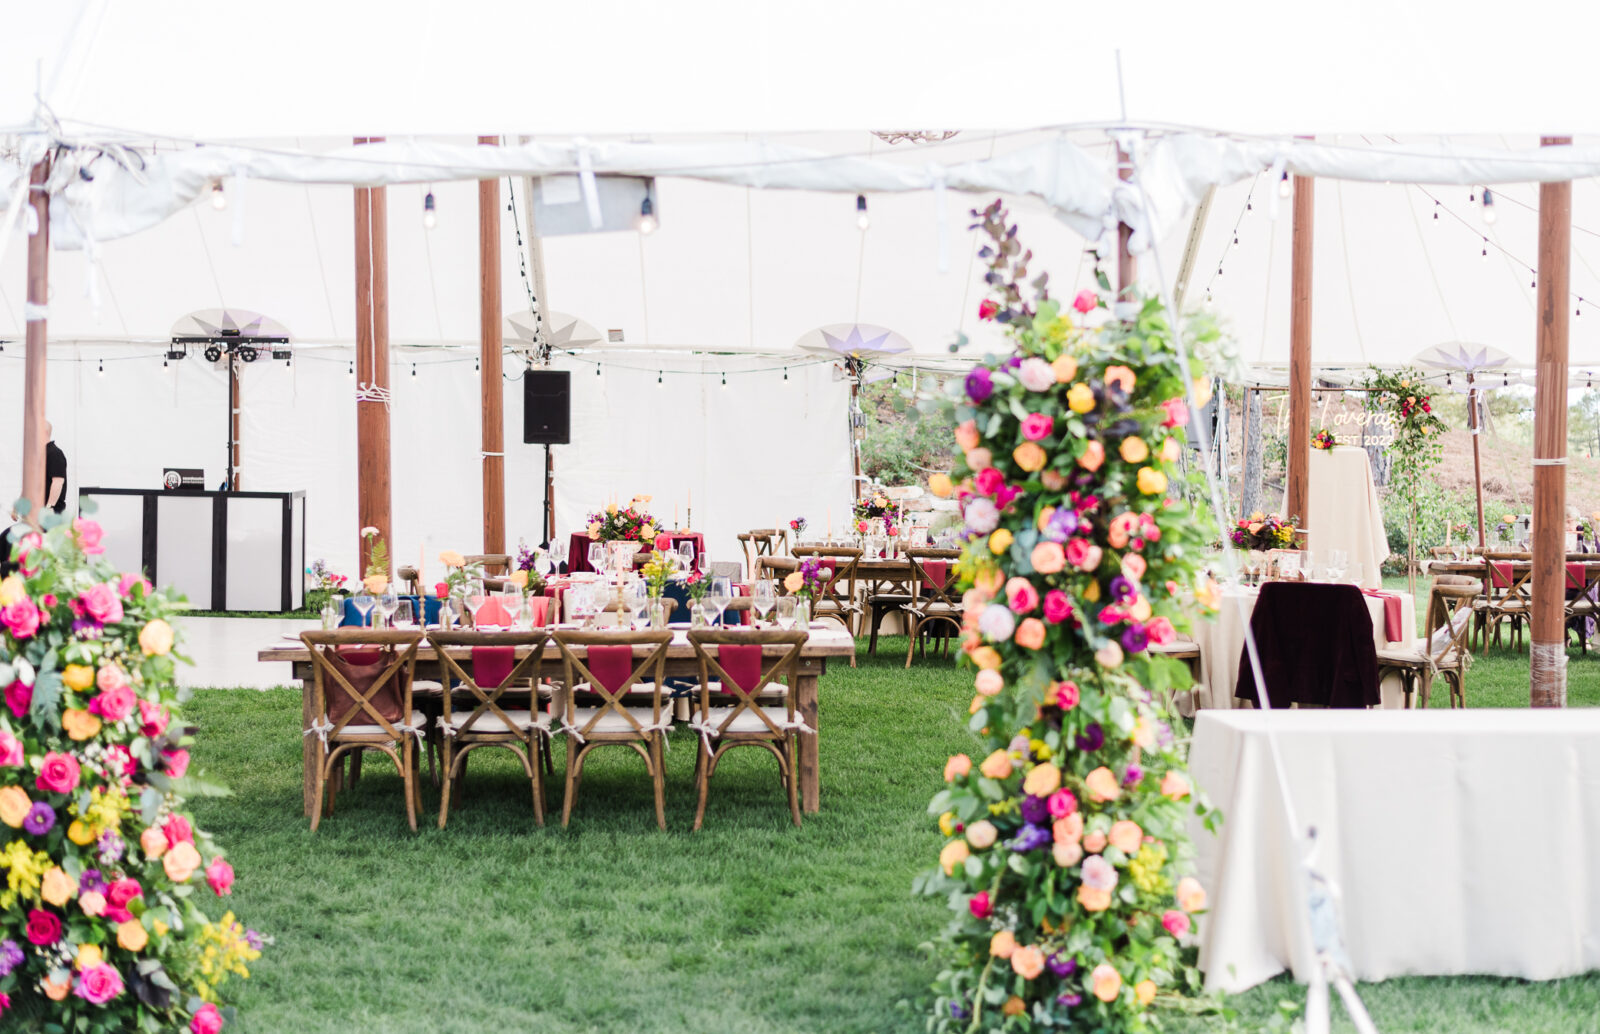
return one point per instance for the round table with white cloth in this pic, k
(1221, 638)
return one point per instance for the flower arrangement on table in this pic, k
(376, 580)
(808, 579)
(1323, 440)
(1263, 531)
(1065, 843)
(325, 580)
(696, 584)
(1507, 527)
(459, 574)
(798, 525)
(876, 506)
(630, 523)
(525, 573)
(101, 925)
(658, 571)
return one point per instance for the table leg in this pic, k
(805, 702)
(308, 747)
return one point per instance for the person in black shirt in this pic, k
(55, 472)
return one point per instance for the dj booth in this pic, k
(223, 550)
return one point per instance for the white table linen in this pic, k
(1461, 842)
(1221, 638)
(1344, 512)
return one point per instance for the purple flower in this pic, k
(1092, 738)
(1035, 810)
(1164, 734)
(253, 939)
(1062, 965)
(1122, 590)
(1132, 776)
(1062, 525)
(40, 820)
(1014, 362)
(111, 848)
(1135, 638)
(87, 628)
(1031, 838)
(92, 879)
(1068, 1000)
(957, 1012)
(10, 956)
(980, 384)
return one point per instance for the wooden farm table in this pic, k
(825, 642)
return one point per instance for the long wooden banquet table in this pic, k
(826, 641)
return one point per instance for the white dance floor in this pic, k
(224, 651)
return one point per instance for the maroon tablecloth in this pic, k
(578, 549)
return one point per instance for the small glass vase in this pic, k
(802, 612)
(332, 614)
(660, 610)
(697, 615)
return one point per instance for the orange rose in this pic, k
(1067, 854)
(1191, 896)
(1028, 961)
(956, 767)
(1107, 982)
(155, 639)
(982, 834)
(967, 435)
(996, 765)
(1095, 842)
(1002, 944)
(1134, 450)
(1042, 780)
(1145, 991)
(57, 887)
(986, 657)
(153, 841)
(1094, 456)
(1030, 634)
(54, 991)
(1174, 786)
(92, 902)
(1121, 376)
(1066, 368)
(181, 861)
(939, 485)
(131, 935)
(1093, 899)
(79, 725)
(1126, 836)
(989, 682)
(1029, 456)
(955, 853)
(1068, 829)
(1048, 558)
(1014, 1006)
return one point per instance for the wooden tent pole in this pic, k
(372, 362)
(1300, 352)
(34, 438)
(1475, 424)
(491, 383)
(1548, 667)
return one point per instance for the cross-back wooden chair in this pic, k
(734, 667)
(493, 563)
(1444, 651)
(1583, 595)
(758, 543)
(1508, 591)
(933, 602)
(348, 719)
(837, 597)
(485, 717)
(612, 721)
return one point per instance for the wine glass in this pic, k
(558, 555)
(785, 615)
(475, 602)
(597, 557)
(387, 604)
(637, 597)
(763, 597)
(543, 564)
(512, 602)
(721, 595)
(686, 555)
(363, 605)
(403, 616)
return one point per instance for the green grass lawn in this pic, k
(751, 925)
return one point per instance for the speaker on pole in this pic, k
(547, 407)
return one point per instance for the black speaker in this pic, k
(547, 407)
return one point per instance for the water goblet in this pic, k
(721, 595)
(387, 604)
(475, 602)
(403, 616)
(363, 605)
(785, 612)
(597, 557)
(763, 597)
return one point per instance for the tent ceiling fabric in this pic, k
(721, 65)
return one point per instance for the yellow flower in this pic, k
(1208, 593)
(611, 508)
(57, 887)
(155, 639)
(1145, 869)
(1000, 541)
(160, 928)
(1092, 592)
(939, 485)
(1080, 398)
(88, 955)
(1202, 390)
(955, 853)
(1029, 456)
(12, 590)
(131, 935)
(80, 725)
(23, 869)
(14, 806)
(80, 834)
(77, 676)
(647, 532)
(450, 558)
(986, 657)
(1134, 449)
(947, 823)
(594, 529)
(375, 583)
(1152, 481)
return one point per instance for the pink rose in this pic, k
(979, 905)
(110, 676)
(1062, 803)
(10, 750)
(117, 897)
(1177, 412)
(126, 583)
(207, 1020)
(988, 481)
(1175, 922)
(1160, 631)
(1082, 554)
(177, 761)
(18, 698)
(102, 603)
(113, 705)
(1048, 558)
(1037, 426)
(178, 830)
(58, 774)
(119, 759)
(44, 928)
(153, 719)
(88, 535)
(664, 542)
(1057, 606)
(1030, 634)
(22, 618)
(1085, 301)
(1036, 375)
(1021, 596)
(219, 874)
(1134, 566)
(1067, 696)
(98, 984)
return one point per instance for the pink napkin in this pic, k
(492, 613)
(742, 662)
(491, 665)
(938, 572)
(1392, 628)
(539, 610)
(611, 665)
(1575, 576)
(359, 655)
(1499, 575)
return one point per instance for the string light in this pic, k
(862, 219)
(597, 369)
(647, 221)
(352, 371)
(1235, 240)
(1486, 249)
(1489, 215)
(413, 370)
(785, 373)
(658, 377)
(1283, 184)
(477, 365)
(430, 214)
(724, 380)
(1436, 210)
(219, 200)
(102, 363)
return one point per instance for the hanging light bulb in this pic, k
(597, 369)
(1436, 210)
(1486, 249)
(658, 377)
(430, 214)
(862, 219)
(785, 373)
(413, 370)
(724, 380)
(1488, 207)
(1283, 184)
(647, 221)
(352, 371)
(1235, 240)
(102, 366)
(219, 200)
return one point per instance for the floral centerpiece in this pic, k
(103, 918)
(808, 579)
(1064, 843)
(798, 525)
(1507, 529)
(630, 523)
(658, 571)
(1263, 531)
(527, 566)
(1323, 440)
(876, 506)
(459, 574)
(376, 580)
(324, 584)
